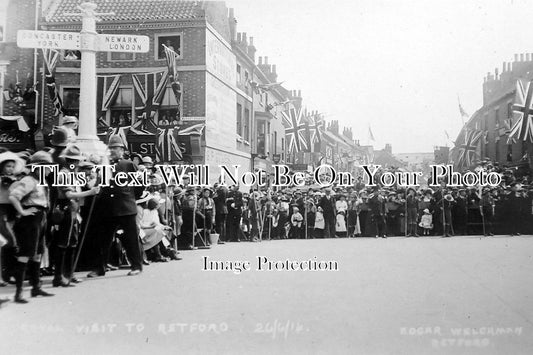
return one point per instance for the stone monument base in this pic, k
(92, 145)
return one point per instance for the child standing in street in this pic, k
(426, 221)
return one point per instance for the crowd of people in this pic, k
(57, 230)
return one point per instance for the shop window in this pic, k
(261, 138)
(246, 128)
(71, 101)
(239, 119)
(173, 41)
(168, 114)
(121, 109)
(71, 55)
(239, 78)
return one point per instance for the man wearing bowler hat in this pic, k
(117, 209)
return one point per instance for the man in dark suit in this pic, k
(378, 212)
(116, 208)
(460, 213)
(327, 202)
(234, 203)
(221, 213)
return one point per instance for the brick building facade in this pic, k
(223, 84)
(496, 116)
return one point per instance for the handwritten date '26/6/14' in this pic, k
(280, 329)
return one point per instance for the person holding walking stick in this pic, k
(117, 209)
(447, 204)
(66, 218)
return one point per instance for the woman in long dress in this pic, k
(341, 206)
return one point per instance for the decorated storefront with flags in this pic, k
(500, 132)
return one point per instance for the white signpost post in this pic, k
(88, 42)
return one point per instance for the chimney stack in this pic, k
(251, 49)
(266, 60)
(299, 93)
(232, 23)
(239, 37)
(244, 41)
(274, 68)
(260, 61)
(521, 57)
(516, 57)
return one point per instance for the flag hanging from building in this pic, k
(106, 92)
(462, 112)
(295, 130)
(172, 63)
(316, 126)
(370, 134)
(167, 148)
(194, 130)
(523, 110)
(50, 58)
(466, 149)
(507, 131)
(149, 91)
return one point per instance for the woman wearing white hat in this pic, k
(67, 213)
(152, 231)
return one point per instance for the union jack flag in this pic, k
(523, 110)
(51, 57)
(172, 58)
(316, 126)
(295, 130)
(467, 148)
(149, 91)
(167, 148)
(507, 131)
(106, 92)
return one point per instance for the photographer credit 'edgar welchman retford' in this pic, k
(266, 176)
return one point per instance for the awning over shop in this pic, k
(15, 133)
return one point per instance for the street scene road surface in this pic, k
(463, 295)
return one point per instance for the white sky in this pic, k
(396, 65)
